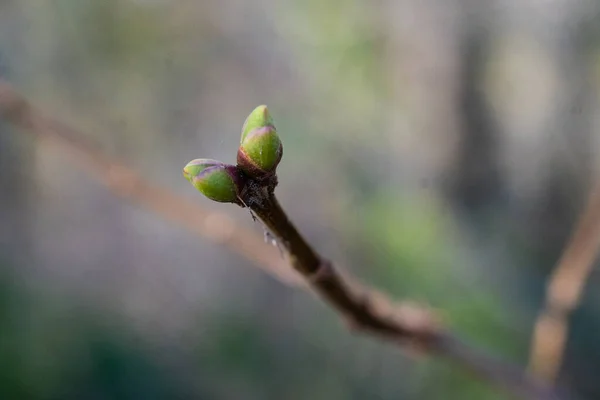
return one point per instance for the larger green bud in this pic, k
(216, 180)
(260, 147)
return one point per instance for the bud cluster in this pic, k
(258, 155)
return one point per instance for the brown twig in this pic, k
(564, 290)
(364, 308)
(370, 311)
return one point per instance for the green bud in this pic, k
(258, 118)
(260, 147)
(214, 179)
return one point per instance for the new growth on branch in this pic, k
(251, 183)
(258, 155)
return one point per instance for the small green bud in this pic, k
(260, 147)
(214, 179)
(258, 118)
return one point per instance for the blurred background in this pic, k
(439, 149)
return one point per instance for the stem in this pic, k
(564, 291)
(369, 311)
(350, 299)
(304, 258)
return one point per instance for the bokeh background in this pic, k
(439, 149)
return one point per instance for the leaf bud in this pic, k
(216, 180)
(260, 148)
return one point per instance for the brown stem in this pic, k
(564, 290)
(369, 311)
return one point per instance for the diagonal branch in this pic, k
(363, 308)
(564, 290)
(125, 182)
(370, 311)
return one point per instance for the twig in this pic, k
(364, 308)
(564, 290)
(370, 311)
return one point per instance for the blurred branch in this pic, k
(124, 182)
(564, 290)
(363, 308)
